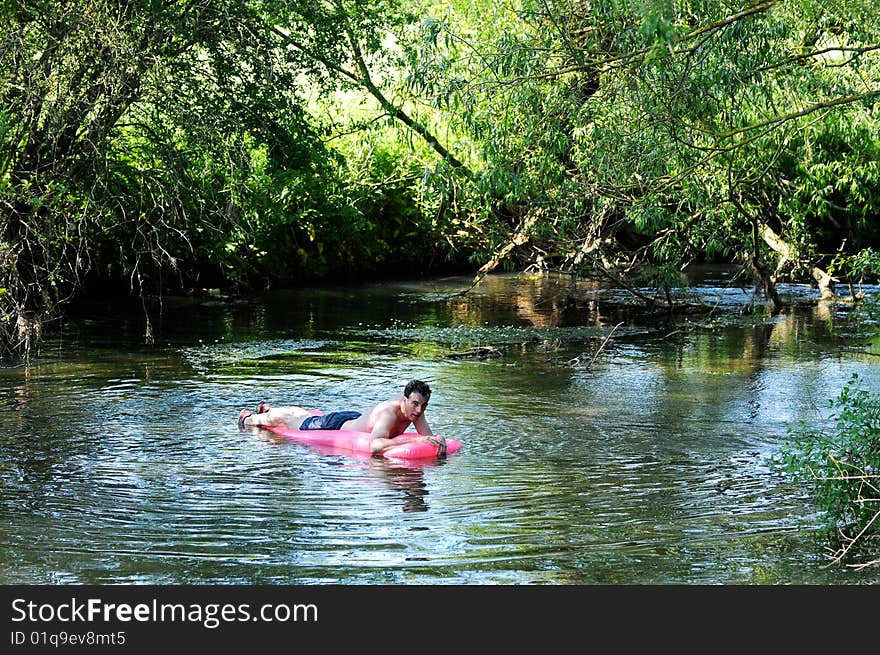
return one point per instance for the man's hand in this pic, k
(440, 442)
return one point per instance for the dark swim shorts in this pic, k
(331, 421)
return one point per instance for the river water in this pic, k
(603, 444)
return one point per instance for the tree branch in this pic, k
(363, 79)
(827, 104)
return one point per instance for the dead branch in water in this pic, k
(602, 346)
(480, 352)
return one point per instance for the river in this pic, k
(603, 444)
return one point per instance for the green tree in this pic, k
(131, 138)
(174, 144)
(669, 132)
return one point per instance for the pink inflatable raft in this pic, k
(359, 442)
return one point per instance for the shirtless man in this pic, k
(384, 421)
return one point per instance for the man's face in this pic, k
(415, 405)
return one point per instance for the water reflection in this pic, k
(407, 479)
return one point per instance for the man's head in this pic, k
(419, 386)
(415, 399)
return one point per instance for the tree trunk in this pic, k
(786, 252)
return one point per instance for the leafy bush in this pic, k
(842, 468)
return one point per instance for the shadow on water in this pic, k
(602, 443)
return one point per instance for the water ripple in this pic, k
(649, 466)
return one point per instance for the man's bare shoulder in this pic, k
(387, 406)
(386, 409)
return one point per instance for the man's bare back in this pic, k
(390, 419)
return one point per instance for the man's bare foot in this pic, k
(245, 413)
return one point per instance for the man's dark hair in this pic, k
(419, 386)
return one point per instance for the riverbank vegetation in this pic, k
(841, 468)
(155, 146)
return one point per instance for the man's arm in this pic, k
(422, 427)
(381, 432)
(382, 438)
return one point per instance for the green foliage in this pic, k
(124, 153)
(159, 145)
(858, 267)
(865, 263)
(169, 145)
(842, 468)
(686, 122)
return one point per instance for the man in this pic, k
(384, 421)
